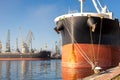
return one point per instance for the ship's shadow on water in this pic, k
(30, 70)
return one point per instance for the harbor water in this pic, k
(30, 70)
(40, 70)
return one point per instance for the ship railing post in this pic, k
(81, 1)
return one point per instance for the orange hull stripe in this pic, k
(72, 55)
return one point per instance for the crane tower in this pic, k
(8, 42)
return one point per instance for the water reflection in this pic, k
(75, 74)
(30, 70)
(39, 70)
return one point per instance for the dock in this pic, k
(110, 74)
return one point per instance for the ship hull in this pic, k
(84, 43)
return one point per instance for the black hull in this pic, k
(78, 27)
(88, 41)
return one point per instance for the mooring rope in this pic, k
(99, 38)
(81, 51)
(93, 50)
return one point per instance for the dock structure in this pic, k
(110, 74)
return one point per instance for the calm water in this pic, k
(30, 70)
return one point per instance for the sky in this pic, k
(20, 16)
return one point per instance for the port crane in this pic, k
(29, 39)
(27, 43)
(8, 42)
(17, 49)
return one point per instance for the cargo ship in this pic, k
(42, 55)
(89, 40)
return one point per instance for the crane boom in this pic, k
(95, 5)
